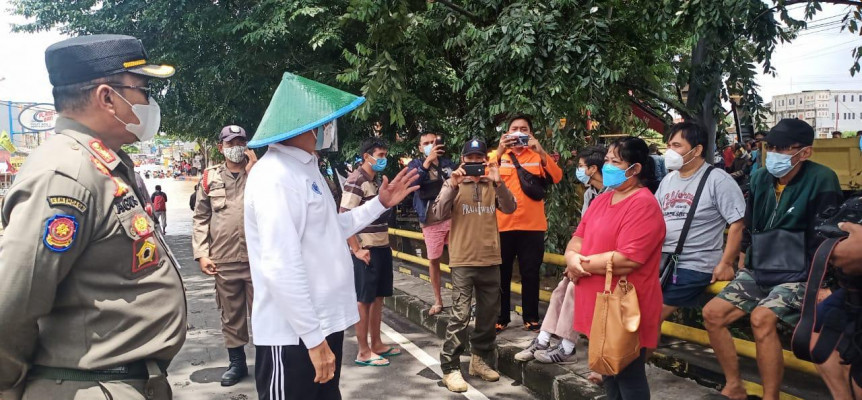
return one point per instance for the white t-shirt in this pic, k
(721, 203)
(297, 246)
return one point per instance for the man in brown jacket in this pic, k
(219, 244)
(471, 198)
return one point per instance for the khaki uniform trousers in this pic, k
(234, 294)
(43, 389)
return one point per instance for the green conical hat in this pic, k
(300, 105)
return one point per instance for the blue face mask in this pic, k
(427, 149)
(581, 173)
(613, 177)
(779, 164)
(329, 171)
(379, 164)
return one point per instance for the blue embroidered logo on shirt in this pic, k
(315, 189)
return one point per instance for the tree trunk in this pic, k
(702, 98)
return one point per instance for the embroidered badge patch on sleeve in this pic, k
(68, 202)
(145, 255)
(60, 232)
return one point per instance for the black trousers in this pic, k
(529, 248)
(286, 372)
(631, 383)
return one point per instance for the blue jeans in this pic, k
(631, 383)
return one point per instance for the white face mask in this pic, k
(149, 115)
(235, 154)
(673, 161)
(327, 137)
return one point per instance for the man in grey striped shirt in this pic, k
(372, 257)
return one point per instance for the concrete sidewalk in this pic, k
(413, 298)
(195, 373)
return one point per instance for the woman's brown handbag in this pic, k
(614, 341)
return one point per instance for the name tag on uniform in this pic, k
(68, 202)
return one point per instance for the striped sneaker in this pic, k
(556, 355)
(528, 353)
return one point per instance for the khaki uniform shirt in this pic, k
(87, 282)
(472, 206)
(219, 227)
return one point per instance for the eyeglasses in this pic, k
(146, 89)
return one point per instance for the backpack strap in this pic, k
(828, 341)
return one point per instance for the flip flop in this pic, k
(370, 362)
(391, 352)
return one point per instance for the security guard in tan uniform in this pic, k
(92, 304)
(219, 244)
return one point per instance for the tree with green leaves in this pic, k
(459, 68)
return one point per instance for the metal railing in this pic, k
(690, 334)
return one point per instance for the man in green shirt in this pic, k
(786, 198)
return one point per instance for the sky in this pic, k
(818, 59)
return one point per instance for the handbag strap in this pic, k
(690, 217)
(609, 273)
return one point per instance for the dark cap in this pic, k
(84, 58)
(474, 146)
(230, 132)
(790, 131)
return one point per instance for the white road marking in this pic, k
(432, 363)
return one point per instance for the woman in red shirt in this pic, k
(625, 223)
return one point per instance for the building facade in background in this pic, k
(825, 110)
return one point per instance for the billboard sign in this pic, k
(38, 117)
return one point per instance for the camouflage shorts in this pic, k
(785, 300)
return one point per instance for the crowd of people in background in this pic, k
(672, 224)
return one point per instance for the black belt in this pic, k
(134, 370)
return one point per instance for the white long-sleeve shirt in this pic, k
(297, 244)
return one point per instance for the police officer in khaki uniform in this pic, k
(92, 304)
(219, 244)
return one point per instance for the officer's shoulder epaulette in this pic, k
(210, 173)
(62, 154)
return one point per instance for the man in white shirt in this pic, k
(301, 267)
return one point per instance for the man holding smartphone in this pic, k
(522, 234)
(432, 170)
(470, 198)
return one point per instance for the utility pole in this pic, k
(836, 112)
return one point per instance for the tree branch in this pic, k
(843, 2)
(461, 10)
(679, 107)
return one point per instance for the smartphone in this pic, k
(523, 140)
(474, 169)
(439, 141)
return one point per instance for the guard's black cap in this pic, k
(474, 146)
(84, 58)
(790, 131)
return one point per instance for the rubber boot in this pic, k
(237, 368)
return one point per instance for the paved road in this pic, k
(195, 372)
